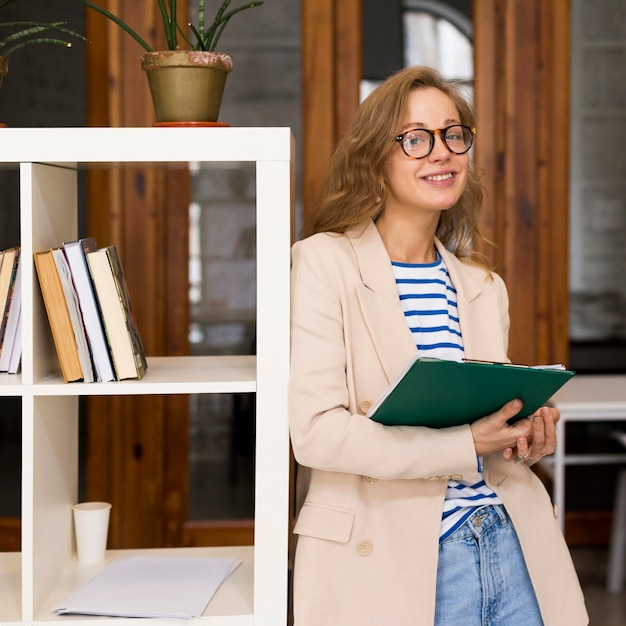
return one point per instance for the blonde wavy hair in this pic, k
(352, 185)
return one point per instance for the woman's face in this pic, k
(435, 182)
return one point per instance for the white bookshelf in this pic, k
(47, 570)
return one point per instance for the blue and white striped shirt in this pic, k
(429, 303)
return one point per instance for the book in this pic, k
(1, 257)
(129, 359)
(58, 316)
(16, 353)
(76, 254)
(71, 299)
(437, 393)
(8, 271)
(12, 328)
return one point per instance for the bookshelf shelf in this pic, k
(11, 385)
(232, 604)
(10, 586)
(46, 570)
(167, 375)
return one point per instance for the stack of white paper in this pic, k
(146, 586)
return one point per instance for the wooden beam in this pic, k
(318, 95)
(10, 534)
(331, 75)
(348, 62)
(553, 176)
(521, 96)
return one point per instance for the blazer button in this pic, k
(364, 548)
(369, 479)
(555, 509)
(434, 478)
(456, 477)
(366, 405)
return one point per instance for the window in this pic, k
(434, 33)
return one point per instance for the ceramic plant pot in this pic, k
(186, 85)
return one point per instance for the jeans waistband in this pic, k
(480, 521)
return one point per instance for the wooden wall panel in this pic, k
(522, 92)
(554, 177)
(331, 74)
(318, 95)
(137, 446)
(520, 192)
(348, 35)
(490, 105)
(10, 534)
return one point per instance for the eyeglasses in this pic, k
(418, 143)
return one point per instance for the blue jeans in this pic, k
(482, 578)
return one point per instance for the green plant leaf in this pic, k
(220, 24)
(123, 25)
(170, 24)
(200, 18)
(205, 39)
(28, 29)
(41, 40)
(199, 45)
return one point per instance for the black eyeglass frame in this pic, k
(437, 131)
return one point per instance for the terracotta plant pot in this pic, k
(186, 85)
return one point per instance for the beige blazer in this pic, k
(368, 525)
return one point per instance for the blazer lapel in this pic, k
(382, 311)
(380, 305)
(479, 312)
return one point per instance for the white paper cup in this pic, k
(91, 523)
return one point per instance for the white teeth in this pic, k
(440, 177)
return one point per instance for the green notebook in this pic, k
(437, 393)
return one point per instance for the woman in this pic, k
(407, 526)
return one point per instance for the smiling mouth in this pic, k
(439, 177)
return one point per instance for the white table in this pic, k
(585, 398)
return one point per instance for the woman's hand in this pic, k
(542, 440)
(493, 432)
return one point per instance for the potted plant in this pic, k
(19, 34)
(186, 81)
